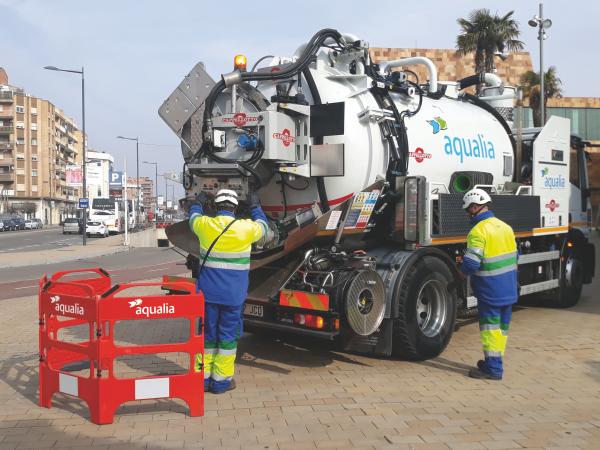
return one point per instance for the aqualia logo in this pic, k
(552, 182)
(148, 311)
(463, 148)
(438, 124)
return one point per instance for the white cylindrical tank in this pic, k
(446, 136)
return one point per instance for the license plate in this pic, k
(253, 310)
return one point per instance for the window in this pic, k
(34, 173)
(34, 188)
(20, 158)
(574, 167)
(34, 157)
(20, 109)
(33, 111)
(20, 125)
(34, 126)
(20, 187)
(33, 141)
(20, 141)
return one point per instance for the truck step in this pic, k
(538, 287)
(538, 257)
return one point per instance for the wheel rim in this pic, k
(432, 307)
(573, 273)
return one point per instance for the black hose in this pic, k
(293, 69)
(469, 81)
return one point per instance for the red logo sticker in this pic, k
(420, 155)
(240, 119)
(552, 205)
(285, 137)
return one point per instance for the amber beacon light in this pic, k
(239, 62)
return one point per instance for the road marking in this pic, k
(26, 287)
(156, 270)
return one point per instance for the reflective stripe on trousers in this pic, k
(493, 329)
(223, 326)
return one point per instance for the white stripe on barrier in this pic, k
(151, 388)
(67, 384)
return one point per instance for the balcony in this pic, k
(7, 177)
(6, 113)
(6, 130)
(7, 162)
(6, 97)
(6, 146)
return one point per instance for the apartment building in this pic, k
(146, 186)
(37, 142)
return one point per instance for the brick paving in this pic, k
(293, 394)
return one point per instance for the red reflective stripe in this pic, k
(335, 201)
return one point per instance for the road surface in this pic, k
(35, 240)
(137, 264)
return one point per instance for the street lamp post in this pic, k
(541, 24)
(155, 181)
(84, 185)
(137, 176)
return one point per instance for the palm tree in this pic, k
(530, 82)
(486, 34)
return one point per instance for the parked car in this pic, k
(71, 225)
(1, 225)
(10, 225)
(20, 222)
(95, 228)
(31, 224)
(39, 222)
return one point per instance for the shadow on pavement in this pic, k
(260, 350)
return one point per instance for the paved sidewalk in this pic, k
(299, 395)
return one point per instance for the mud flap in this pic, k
(378, 343)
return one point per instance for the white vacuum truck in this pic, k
(361, 169)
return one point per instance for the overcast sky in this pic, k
(136, 52)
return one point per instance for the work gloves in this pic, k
(253, 200)
(201, 198)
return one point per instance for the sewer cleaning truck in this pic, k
(361, 168)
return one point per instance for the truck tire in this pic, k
(570, 283)
(426, 310)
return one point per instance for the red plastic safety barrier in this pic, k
(94, 302)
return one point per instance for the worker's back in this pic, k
(496, 280)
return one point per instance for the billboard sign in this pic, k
(74, 175)
(93, 174)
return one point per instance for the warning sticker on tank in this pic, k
(361, 209)
(334, 219)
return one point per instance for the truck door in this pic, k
(579, 201)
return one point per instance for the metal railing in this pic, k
(5, 129)
(6, 95)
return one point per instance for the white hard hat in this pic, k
(226, 195)
(477, 196)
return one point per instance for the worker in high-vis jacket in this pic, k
(491, 261)
(225, 245)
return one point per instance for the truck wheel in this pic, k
(427, 310)
(571, 283)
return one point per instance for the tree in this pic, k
(485, 35)
(530, 82)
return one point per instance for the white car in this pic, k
(95, 228)
(31, 224)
